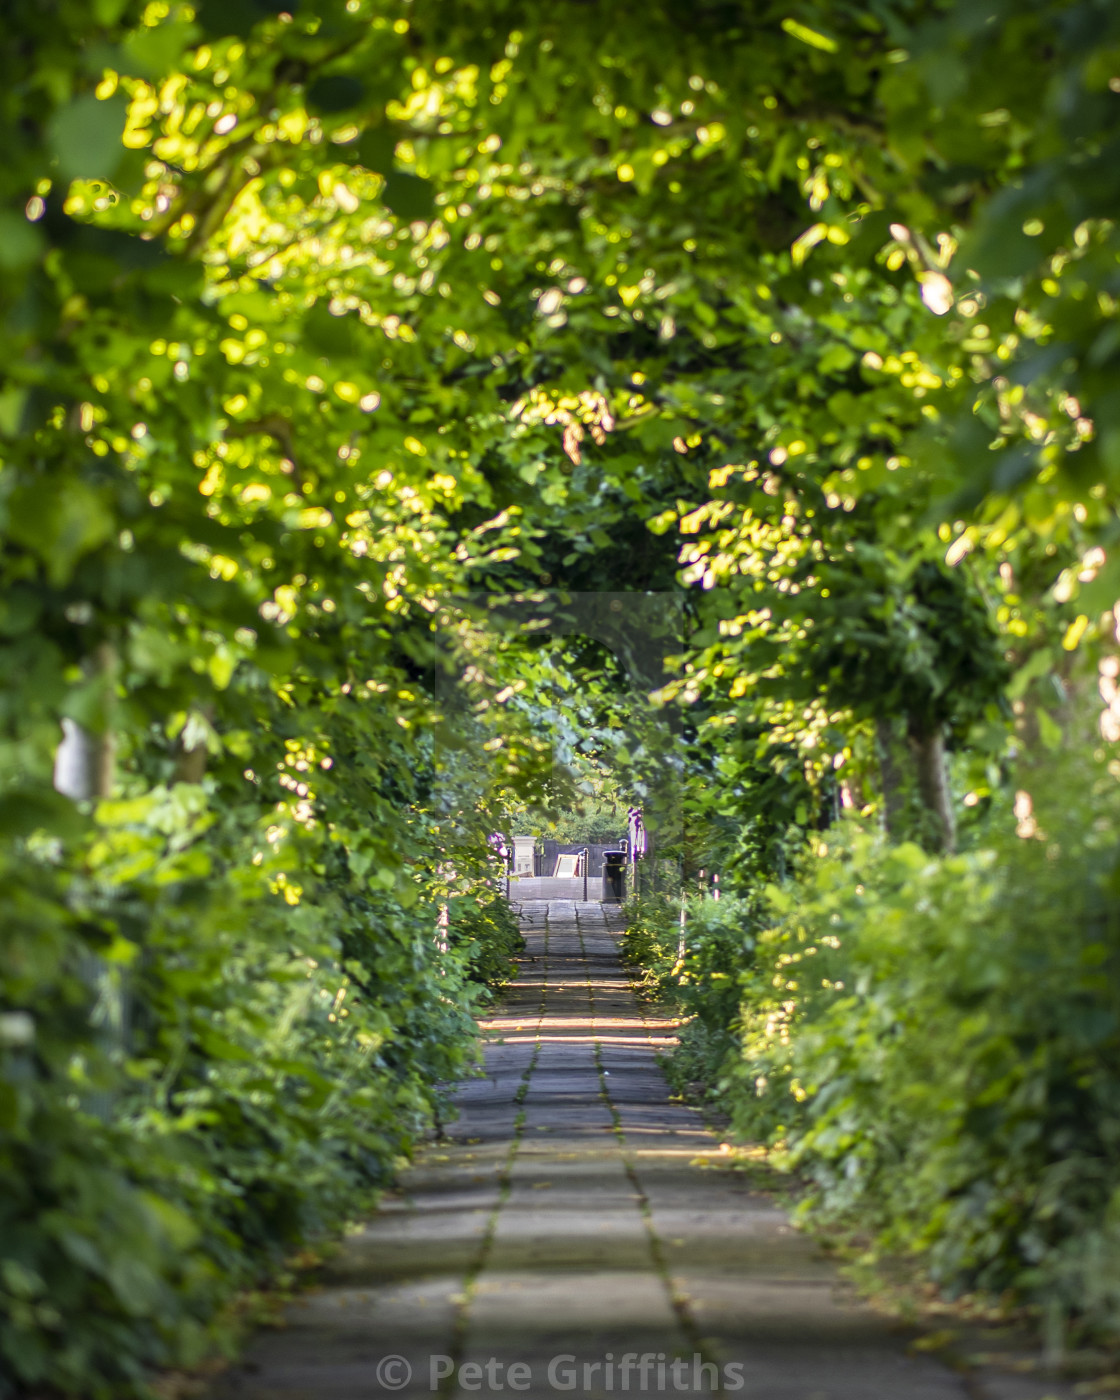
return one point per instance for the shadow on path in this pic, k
(578, 1235)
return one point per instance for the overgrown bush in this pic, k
(694, 966)
(650, 944)
(217, 1038)
(935, 1041)
(487, 931)
(931, 1041)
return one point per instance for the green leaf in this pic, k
(221, 666)
(85, 137)
(21, 243)
(134, 1284)
(81, 1249)
(336, 93)
(376, 149)
(1049, 731)
(1039, 663)
(175, 1223)
(158, 49)
(28, 809)
(20, 1280)
(219, 17)
(408, 196)
(813, 37)
(28, 1353)
(836, 359)
(331, 335)
(60, 526)
(13, 400)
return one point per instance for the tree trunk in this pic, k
(190, 762)
(890, 779)
(928, 748)
(83, 765)
(84, 762)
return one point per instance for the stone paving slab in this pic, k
(577, 1233)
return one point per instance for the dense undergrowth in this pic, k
(258, 1068)
(930, 1041)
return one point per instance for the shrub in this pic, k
(694, 968)
(197, 1078)
(485, 928)
(935, 1042)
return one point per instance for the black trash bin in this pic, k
(614, 877)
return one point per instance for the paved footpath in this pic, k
(575, 1236)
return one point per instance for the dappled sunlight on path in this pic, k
(580, 1233)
